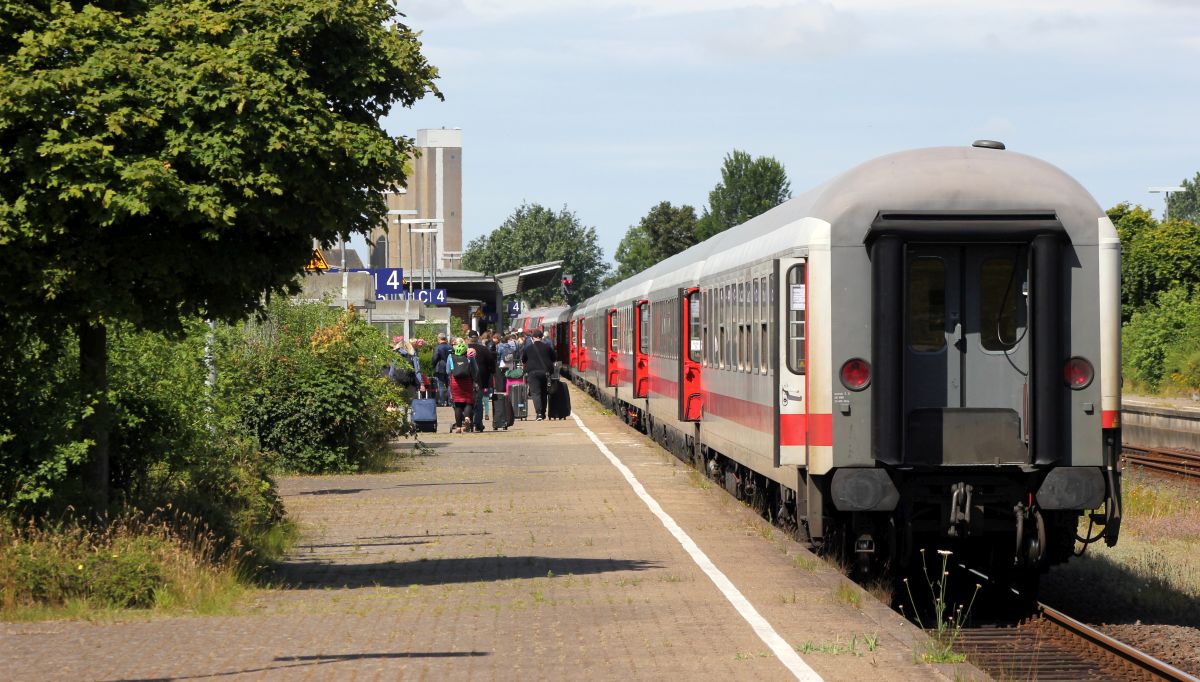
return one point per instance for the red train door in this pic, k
(641, 349)
(573, 347)
(691, 348)
(612, 369)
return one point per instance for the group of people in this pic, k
(467, 371)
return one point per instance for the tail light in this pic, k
(856, 374)
(1078, 373)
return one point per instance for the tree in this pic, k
(164, 159)
(1185, 205)
(634, 254)
(748, 187)
(535, 234)
(663, 232)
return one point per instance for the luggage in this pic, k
(509, 383)
(424, 415)
(501, 415)
(518, 401)
(558, 399)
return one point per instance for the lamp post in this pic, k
(1166, 192)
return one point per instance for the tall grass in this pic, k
(165, 561)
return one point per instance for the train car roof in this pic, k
(936, 179)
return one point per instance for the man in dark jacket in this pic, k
(538, 360)
(486, 361)
(440, 377)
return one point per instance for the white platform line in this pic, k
(784, 652)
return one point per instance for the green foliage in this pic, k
(1156, 256)
(748, 187)
(663, 232)
(634, 254)
(308, 383)
(1185, 205)
(947, 619)
(1161, 340)
(535, 234)
(131, 133)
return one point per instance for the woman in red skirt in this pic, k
(463, 371)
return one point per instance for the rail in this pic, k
(1051, 646)
(1181, 463)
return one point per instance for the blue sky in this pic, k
(610, 106)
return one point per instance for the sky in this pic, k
(608, 107)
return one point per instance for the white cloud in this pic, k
(805, 30)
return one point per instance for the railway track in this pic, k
(1051, 646)
(1180, 463)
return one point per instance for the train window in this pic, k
(614, 334)
(772, 324)
(706, 303)
(927, 305)
(644, 328)
(999, 302)
(797, 318)
(756, 344)
(695, 344)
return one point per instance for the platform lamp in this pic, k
(1166, 192)
(432, 243)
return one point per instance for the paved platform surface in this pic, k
(519, 555)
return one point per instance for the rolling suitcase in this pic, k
(558, 399)
(501, 415)
(424, 415)
(518, 401)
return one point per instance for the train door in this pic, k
(612, 367)
(641, 349)
(790, 356)
(965, 357)
(573, 343)
(690, 351)
(581, 352)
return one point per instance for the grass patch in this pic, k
(847, 593)
(73, 571)
(698, 480)
(806, 562)
(857, 645)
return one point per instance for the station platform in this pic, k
(556, 550)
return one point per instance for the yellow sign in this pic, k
(317, 262)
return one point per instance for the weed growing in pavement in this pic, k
(698, 480)
(806, 563)
(846, 593)
(858, 645)
(788, 599)
(948, 622)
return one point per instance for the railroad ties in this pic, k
(1180, 463)
(1051, 646)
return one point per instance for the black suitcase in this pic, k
(501, 415)
(558, 405)
(424, 414)
(518, 401)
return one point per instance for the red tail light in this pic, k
(856, 374)
(1078, 373)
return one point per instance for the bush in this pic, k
(308, 382)
(1162, 340)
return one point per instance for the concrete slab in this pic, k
(523, 554)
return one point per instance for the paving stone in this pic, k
(505, 556)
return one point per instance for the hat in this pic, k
(472, 334)
(460, 349)
(537, 333)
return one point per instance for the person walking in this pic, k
(538, 359)
(463, 371)
(485, 361)
(441, 377)
(408, 366)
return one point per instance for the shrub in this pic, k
(308, 382)
(1161, 338)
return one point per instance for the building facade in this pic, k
(424, 222)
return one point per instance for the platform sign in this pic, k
(514, 309)
(388, 281)
(426, 296)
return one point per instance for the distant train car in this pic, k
(555, 324)
(925, 349)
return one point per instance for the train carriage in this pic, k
(926, 348)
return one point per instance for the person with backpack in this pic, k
(406, 371)
(485, 361)
(538, 361)
(441, 375)
(463, 372)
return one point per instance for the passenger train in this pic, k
(924, 351)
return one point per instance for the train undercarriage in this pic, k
(989, 519)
